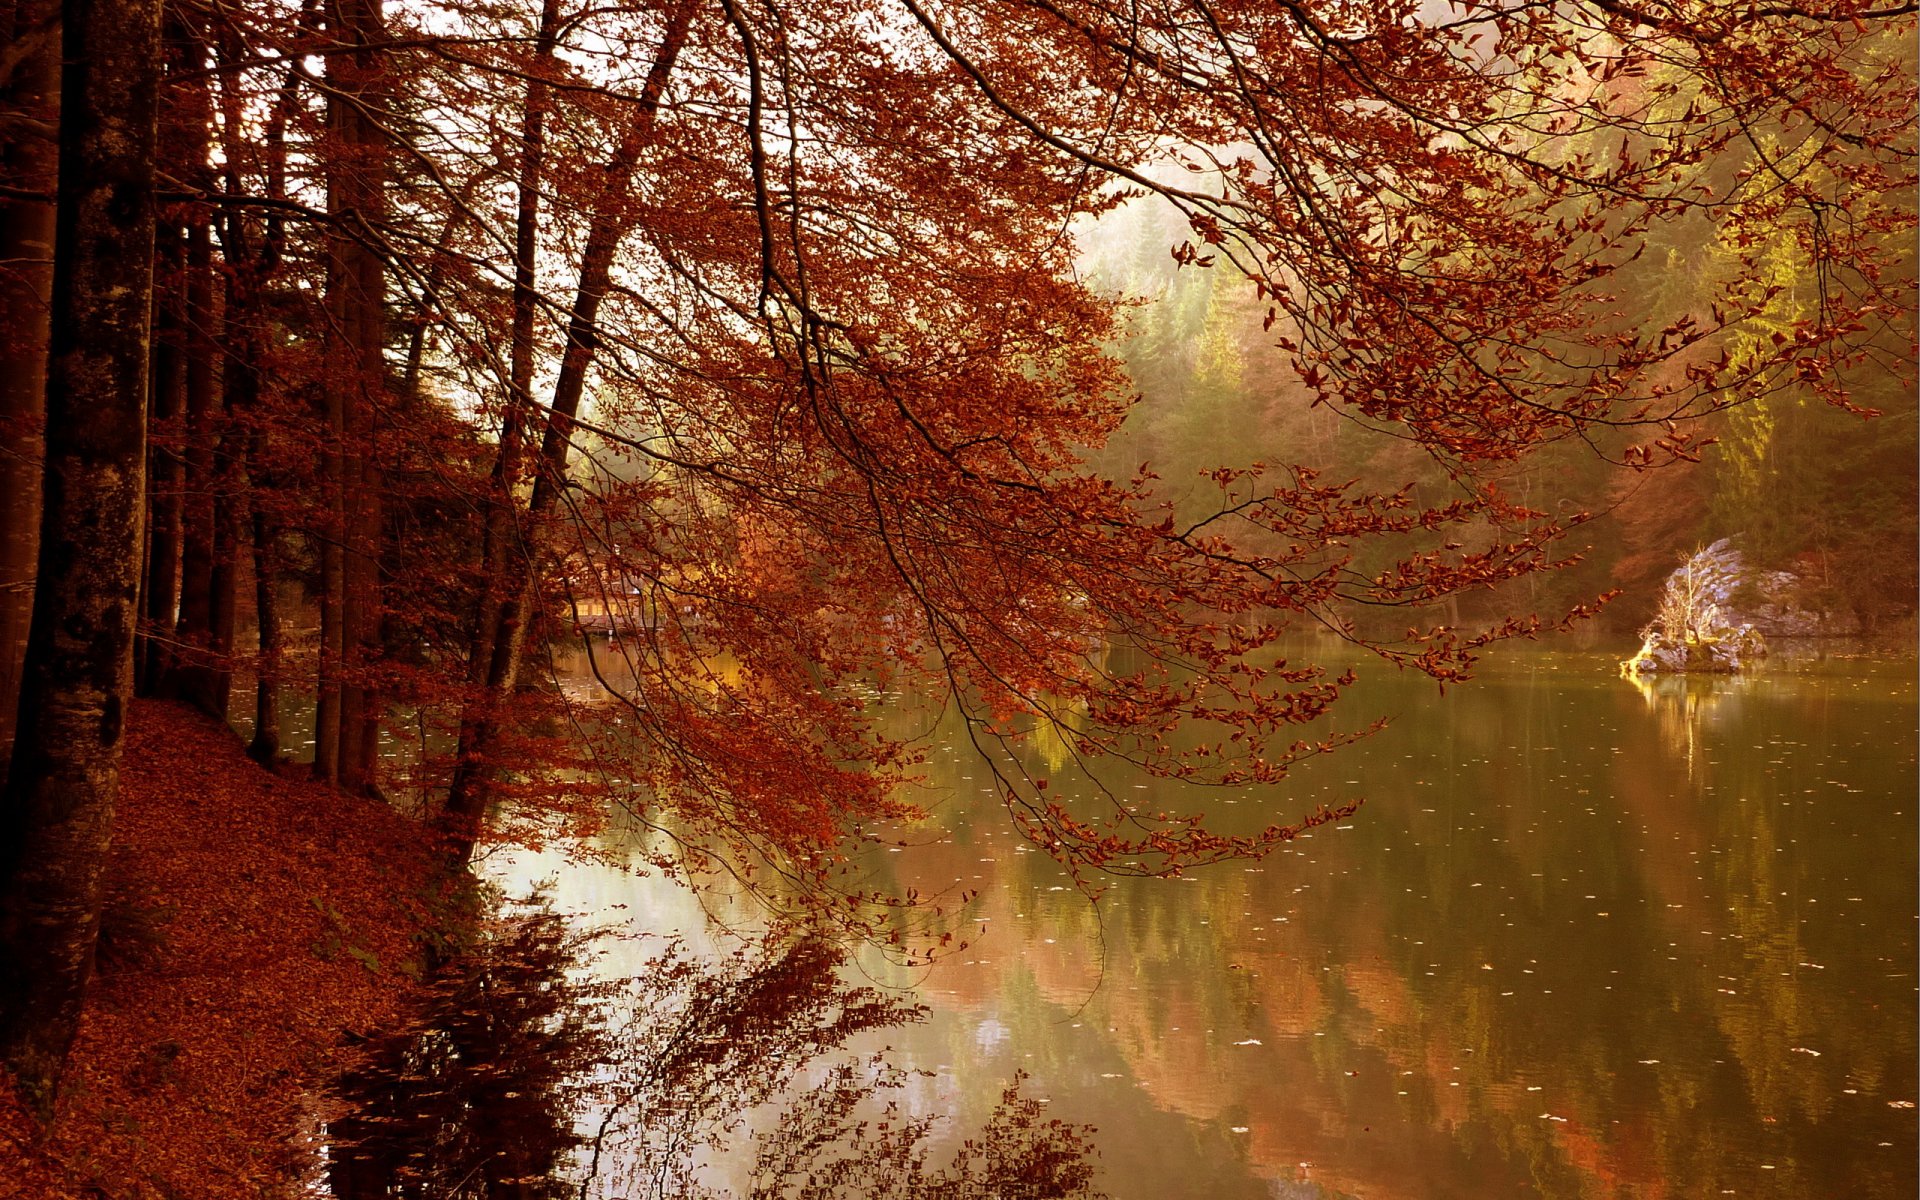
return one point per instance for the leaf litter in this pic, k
(257, 929)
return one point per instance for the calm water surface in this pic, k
(1586, 938)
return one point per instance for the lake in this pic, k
(1585, 938)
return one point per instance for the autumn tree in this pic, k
(845, 352)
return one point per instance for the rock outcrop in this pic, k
(1716, 615)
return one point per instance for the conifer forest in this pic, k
(958, 599)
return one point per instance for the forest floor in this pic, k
(258, 928)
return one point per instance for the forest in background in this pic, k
(1832, 497)
(360, 354)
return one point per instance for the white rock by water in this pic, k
(1699, 626)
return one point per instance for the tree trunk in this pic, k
(510, 576)
(213, 683)
(245, 340)
(265, 746)
(57, 815)
(496, 543)
(28, 161)
(356, 379)
(193, 669)
(500, 567)
(326, 712)
(189, 671)
(361, 705)
(166, 472)
(251, 250)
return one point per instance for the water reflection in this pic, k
(533, 1077)
(1578, 943)
(478, 1099)
(1683, 704)
(1583, 941)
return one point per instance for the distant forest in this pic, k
(1800, 485)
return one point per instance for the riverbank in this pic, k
(257, 929)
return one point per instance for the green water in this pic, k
(1584, 939)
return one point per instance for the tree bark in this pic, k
(326, 711)
(245, 342)
(29, 161)
(361, 704)
(213, 683)
(57, 815)
(356, 379)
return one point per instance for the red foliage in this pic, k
(842, 375)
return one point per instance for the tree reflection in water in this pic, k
(477, 1098)
(527, 1081)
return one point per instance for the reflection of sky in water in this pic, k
(990, 1035)
(1583, 940)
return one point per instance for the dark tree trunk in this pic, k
(264, 748)
(326, 712)
(193, 669)
(510, 575)
(244, 345)
(212, 688)
(360, 702)
(251, 249)
(500, 533)
(350, 620)
(206, 549)
(28, 161)
(367, 303)
(57, 814)
(166, 471)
